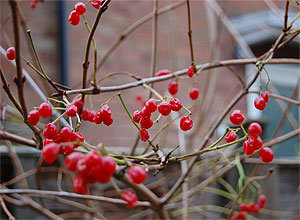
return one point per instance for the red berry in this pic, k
(45, 110)
(175, 104)
(130, 198)
(103, 177)
(67, 149)
(33, 117)
(146, 114)
(71, 110)
(66, 134)
(260, 103)
(191, 71)
(266, 154)
(146, 123)
(11, 53)
(151, 105)
(194, 93)
(78, 103)
(254, 128)
(108, 165)
(96, 3)
(47, 141)
(50, 131)
(266, 96)
(231, 136)
(261, 201)
(255, 141)
(186, 123)
(241, 215)
(80, 186)
(237, 117)
(77, 136)
(91, 116)
(50, 152)
(85, 114)
(163, 72)
(243, 207)
(72, 159)
(34, 3)
(137, 174)
(93, 158)
(164, 108)
(80, 8)
(105, 111)
(97, 118)
(248, 148)
(253, 208)
(108, 121)
(136, 116)
(144, 135)
(82, 167)
(74, 18)
(173, 88)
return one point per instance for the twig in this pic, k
(15, 138)
(7, 212)
(190, 32)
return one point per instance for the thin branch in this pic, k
(16, 138)
(190, 32)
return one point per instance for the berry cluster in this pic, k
(80, 9)
(261, 102)
(250, 208)
(103, 115)
(253, 142)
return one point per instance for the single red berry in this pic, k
(91, 116)
(186, 123)
(255, 141)
(72, 159)
(78, 103)
(96, 3)
(108, 165)
(163, 72)
(67, 149)
(45, 110)
(191, 71)
(266, 154)
(97, 118)
(77, 136)
(145, 113)
(254, 128)
(50, 152)
(50, 131)
(47, 141)
(80, 186)
(33, 117)
(231, 136)
(243, 207)
(241, 215)
(103, 177)
(136, 116)
(137, 174)
(173, 88)
(253, 208)
(108, 121)
(146, 123)
(164, 108)
(261, 201)
(105, 111)
(66, 134)
(71, 110)
(194, 93)
(80, 8)
(237, 117)
(130, 198)
(93, 158)
(266, 96)
(74, 18)
(260, 103)
(151, 105)
(175, 104)
(144, 135)
(82, 168)
(11, 53)
(85, 114)
(248, 148)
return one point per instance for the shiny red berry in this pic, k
(136, 116)
(194, 93)
(11, 53)
(47, 141)
(151, 105)
(45, 110)
(93, 158)
(266, 96)
(186, 123)
(33, 117)
(72, 159)
(66, 134)
(164, 108)
(74, 18)
(191, 71)
(108, 121)
(144, 135)
(266, 154)
(71, 110)
(231, 136)
(108, 165)
(175, 104)
(50, 131)
(260, 103)
(96, 3)
(105, 112)
(241, 215)
(80, 186)
(255, 142)
(80, 8)
(91, 115)
(145, 113)
(248, 148)
(146, 123)
(130, 198)
(261, 201)
(173, 88)
(163, 72)
(50, 152)
(97, 118)
(67, 149)
(237, 117)
(78, 103)
(243, 207)
(137, 174)
(254, 129)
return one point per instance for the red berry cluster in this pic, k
(250, 208)
(11, 53)
(103, 115)
(254, 142)
(130, 198)
(261, 102)
(80, 9)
